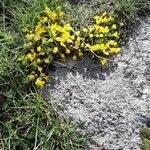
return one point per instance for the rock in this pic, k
(107, 103)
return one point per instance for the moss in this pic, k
(145, 133)
(145, 145)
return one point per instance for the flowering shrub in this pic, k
(53, 39)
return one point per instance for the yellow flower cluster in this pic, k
(52, 39)
(103, 36)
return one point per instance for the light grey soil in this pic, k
(109, 104)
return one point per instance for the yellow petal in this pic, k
(103, 61)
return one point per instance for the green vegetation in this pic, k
(32, 124)
(26, 120)
(53, 40)
(131, 11)
(145, 134)
(128, 11)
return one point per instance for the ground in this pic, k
(109, 105)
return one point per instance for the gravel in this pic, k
(110, 103)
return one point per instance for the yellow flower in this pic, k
(91, 29)
(39, 29)
(104, 13)
(91, 35)
(110, 19)
(67, 27)
(39, 82)
(40, 69)
(104, 29)
(29, 44)
(82, 44)
(58, 8)
(69, 41)
(78, 39)
(102, 19)
(62, 40)
(105, 52)
(121, 24)
(74, 57)
(61, 14)
(44, 20)
(54, 28)
(38, 60)
(50, 40)
(29, 36)
(116, 35)
(76, 47)
(50, 14)
(67, 51)
(103, 61)
(115, 50)
(72, 37)
(39, 49)
(20, 59)
(53, 16)
(101, 35)
(42, 74)
(102, 47)
(30, 77)
(77, 33)
(65, 36)
(96, 17)
(62, 56)
(25, 29)
(96, 27)
(37, 37)
(42, 53)
(44, 41)
(98, 47)
(114, 26)
(47, 61)
(85, 30)
(55, 50)
(80, 54)
(112, 42)
(31, 56)
(62, 44)
(58, 39)
(47, 10)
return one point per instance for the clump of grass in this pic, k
(32, 124)
(80, 13)
(145, 135)
(131, 11)
(26, 120)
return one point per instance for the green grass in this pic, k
(128, 11)
(26, 120)
(145, 135)
(131, 12)
(32, 124)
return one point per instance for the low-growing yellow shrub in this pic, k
(53, 39)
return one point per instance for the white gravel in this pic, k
(109, 104)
